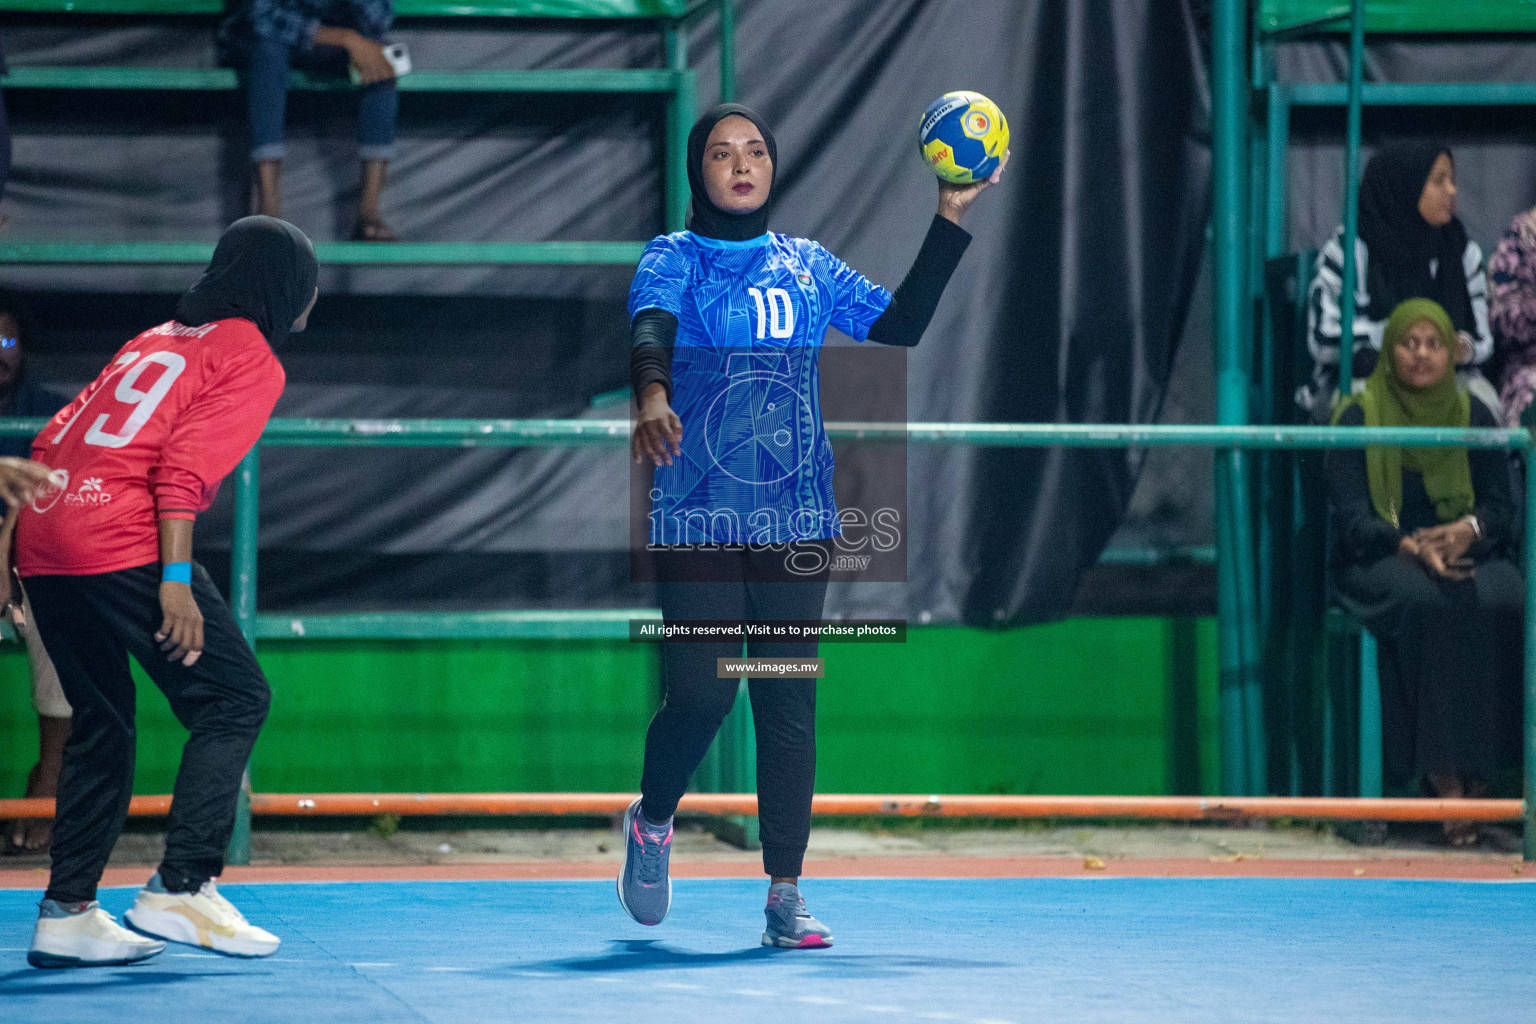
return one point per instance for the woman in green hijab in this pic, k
(1421, 539)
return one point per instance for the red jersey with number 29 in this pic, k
(150, 439)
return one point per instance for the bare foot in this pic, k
(31, 835)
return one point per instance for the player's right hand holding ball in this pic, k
(954, 199)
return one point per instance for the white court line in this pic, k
(448, 969)
(535, 974)
(683, 985)
(373, 965)
(268, 959)
(830, 1001)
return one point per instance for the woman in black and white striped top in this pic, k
(1410, 245)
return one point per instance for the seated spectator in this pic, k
(1512, 314)
(21, 396)
(267, 38)
(1420, 557)
(1410, 246)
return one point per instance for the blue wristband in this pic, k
(176, 572)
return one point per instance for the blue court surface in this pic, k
(972, 950)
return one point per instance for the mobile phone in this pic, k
(398, 56)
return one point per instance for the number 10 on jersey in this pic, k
(776, 315)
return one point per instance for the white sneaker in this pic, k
(203, 918)
(90, 938)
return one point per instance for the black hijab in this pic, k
(1401, 243)
(705, 217)
(263, 270)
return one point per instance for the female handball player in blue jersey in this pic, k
(727, 323)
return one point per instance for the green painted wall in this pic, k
(1124, 705)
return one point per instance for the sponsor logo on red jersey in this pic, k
(90, 493)
(49, 496)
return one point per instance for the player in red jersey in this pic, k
(106, 557)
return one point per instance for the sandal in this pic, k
(372, 229)
(1460, 834)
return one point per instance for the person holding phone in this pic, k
(268, 38)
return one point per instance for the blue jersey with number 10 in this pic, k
(756, 465)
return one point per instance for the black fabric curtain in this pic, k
(1066, 308)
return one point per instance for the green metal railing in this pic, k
(553, 80)
(639, 10)
(1436, 17)
(1351, 198)
(615, 433)
(1281, 97)
(332, 253)
(1239, 651)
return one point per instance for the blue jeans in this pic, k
(266, 89)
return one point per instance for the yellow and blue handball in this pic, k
(963, 137)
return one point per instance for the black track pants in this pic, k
(743, 584)
(90, 625)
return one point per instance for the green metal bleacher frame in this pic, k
(733, 759)
(1341, 710)
(676, 82)
(1279, 21)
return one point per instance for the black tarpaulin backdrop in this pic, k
(1065, 309)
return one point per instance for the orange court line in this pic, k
(1171, 808)
(1407, 867)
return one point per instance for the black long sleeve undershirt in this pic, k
(651, 334)
(914, 301)
(653, 331)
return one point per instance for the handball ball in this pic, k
(963, 137)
